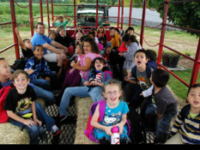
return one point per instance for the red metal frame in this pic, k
(143, 23)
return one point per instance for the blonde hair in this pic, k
(99, 28)
(78, 33)
(114, 82)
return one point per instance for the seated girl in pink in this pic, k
(91, 51)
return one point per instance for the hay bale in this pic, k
(83, 109)
(11, 134)
(42, 102)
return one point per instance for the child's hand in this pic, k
(129, 75)
(121, 127)
(48, 79)
(108, 130)
(72, 63)
(71, 70)
(141, 94)
(86, 83)
(29, 122)
(121, 54)
(17, 30)
(38, 122)
(93, 83)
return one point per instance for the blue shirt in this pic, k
(113, 116)
(37, 39)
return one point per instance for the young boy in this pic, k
(21, 108)
(6, 79)
(164, 105)
(38, 69)
(130, 30)
(60, 21)
(26, 45)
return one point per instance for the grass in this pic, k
(178, 87)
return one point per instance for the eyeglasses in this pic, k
(110, 93)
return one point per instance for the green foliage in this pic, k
(181, 14)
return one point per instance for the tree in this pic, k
(181, 14)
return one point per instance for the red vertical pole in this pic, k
(97, 13)
(52, 12)
(118, 14)
(48, 16)
(166, 6)
(31, 17)
(75, 13)
(122, 15)
(12, 9)
(130, 12)
(195, 70)
(41, 11)
(142, 24)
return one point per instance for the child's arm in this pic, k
(67, 17)
(95, 123)
(13, 116)
(87, 66)
(20, 39)
(122, 123)
(54, 20)
(29, 67)
(34, 114)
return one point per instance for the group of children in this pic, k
(140, 83)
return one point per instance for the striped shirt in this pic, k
(188, 128)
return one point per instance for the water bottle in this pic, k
(115, 139)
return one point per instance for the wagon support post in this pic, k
(12, 9)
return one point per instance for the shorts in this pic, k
(51, 57)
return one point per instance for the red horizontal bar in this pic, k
(178, 52)
(4, 23)
(78, 5)
(174, 75)
(189, 29)
(7, 48)
(186, 1)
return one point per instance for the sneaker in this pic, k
(55, 130)
(63, 118)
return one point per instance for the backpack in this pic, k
(137, 133)
(184, 111)
(3, 94)
(89, 128)
(19, 63)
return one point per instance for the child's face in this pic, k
(87, 47)
(78, 49)
(21, 82)
(5, 70)
(28, 44)
(79, 28)
(78, 38)
(140, 59)
(112, 32)
(62, 33)
(194, 97)
(38, 52)
(108, 50)
(131, 32)
(99, 65)
(52, 36)
(101, 30)
(101, 41)
(128, 43)
(60, 19)
(91, 35)
(112, 94)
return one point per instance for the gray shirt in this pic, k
(165, 101)
(143, 79)
(129, 55)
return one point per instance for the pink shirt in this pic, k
(90, 55)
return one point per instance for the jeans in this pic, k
(163, 127)
(44, 83)
(44, 94)
(82, 91)
(42, 116)
(34, 131)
